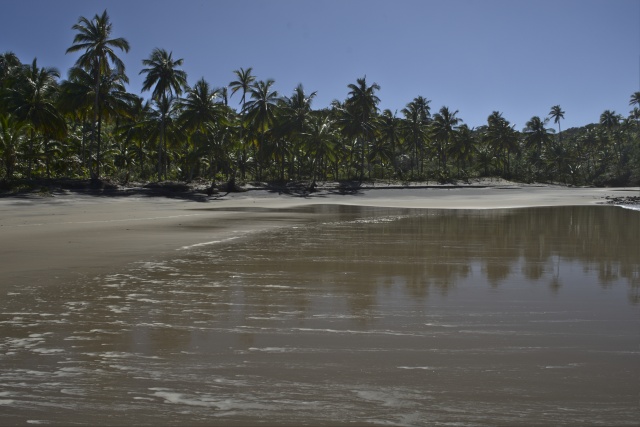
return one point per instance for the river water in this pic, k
(360, 316)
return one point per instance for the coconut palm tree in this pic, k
(243, 83)
(417, 113)
(501, 136)
(167, 80)
(76, 100)
(391, 134)
(12, 134)
(9, 63)
(462, 148)
(444, 127)
(320, 141)
(77, 97)
(201, 115)
(161, 127)
(610, 121)
(261, 113)
(362, 104)
(99, 58)
(557, 114)
(295, 113)
(635, 99)
(537, 137)
(10, 69)
(33, 100)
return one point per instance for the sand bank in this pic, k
(68, 236)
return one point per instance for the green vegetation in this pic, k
(89, 126)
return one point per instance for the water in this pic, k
(360, 316)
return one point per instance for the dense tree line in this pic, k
(89, 126)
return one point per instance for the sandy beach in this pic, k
(72, 235)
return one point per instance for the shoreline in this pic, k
(69, 235)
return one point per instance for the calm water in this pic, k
(359, 316)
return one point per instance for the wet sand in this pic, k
(52, 239)
(332, 309)
(362, 316)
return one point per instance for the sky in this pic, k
(519, 57)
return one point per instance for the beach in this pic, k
(46, 239)
(493, 304)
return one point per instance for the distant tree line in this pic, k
(89, 126)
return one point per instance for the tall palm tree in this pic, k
(243, 83)
(462, 148)
(10, 69)
(537, 137)
(635, 99)
(362, 105)
(33, 100)
(166, 79)
(390, 130)
(12, 133)
(609, 119)
(77, 96)
(201, 114)
(444, 127)
(9, 63)
(501, 136)
(99, 57)
(293, 121)
(320, 141)
(416, 115)
(261, 112)
(557, 114)
(77, 99)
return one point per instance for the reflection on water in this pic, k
(366, 316)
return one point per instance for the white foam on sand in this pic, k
(212, 242)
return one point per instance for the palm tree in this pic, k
(76, 100)
(362, 104)
(243, 83)
(93, 38)
(635, 99)
(390, 130)
(557, 114)
(166, 80)
(12, 133)
(76, 96)
(444, 127)
(201, 114)
(261, 112)
(537, 137)
(294, 117)
(9, 63)
(416, 115)
(502, 138)
(161, 126)
(462, 148)
(320, 140)
(33, 100)
(10, 68)
(610, 121)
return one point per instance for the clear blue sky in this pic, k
(475, 56)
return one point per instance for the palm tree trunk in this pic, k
(32, 136)
(99, 157)
(160, 146)
(95, 119)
